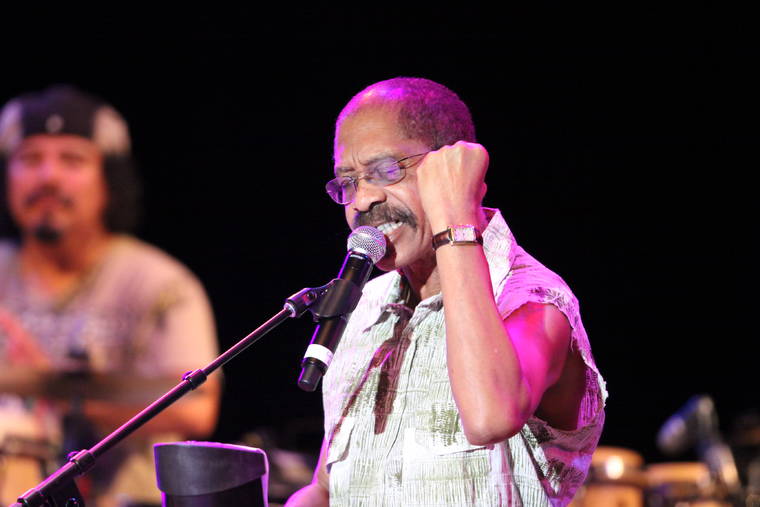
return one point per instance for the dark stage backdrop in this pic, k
(617, 143)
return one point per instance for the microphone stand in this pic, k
(59, 489)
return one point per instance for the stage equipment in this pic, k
(616, 477)
(684, 484)
(696, 425)
(62, 385)
(24, 453)
(59, 488)
(208, 474)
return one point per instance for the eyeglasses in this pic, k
(343, 188)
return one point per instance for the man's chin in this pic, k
(388, 262)
(385, 265)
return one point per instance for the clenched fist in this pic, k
(451, 184)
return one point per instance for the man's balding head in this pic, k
(426, 111)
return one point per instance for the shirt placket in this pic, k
(405, 399)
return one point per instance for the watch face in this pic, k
(463, 233)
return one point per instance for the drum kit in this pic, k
(27, 452)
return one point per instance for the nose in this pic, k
(367, 195)
(48, 169)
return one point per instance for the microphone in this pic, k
(696, 420)
(366, 246)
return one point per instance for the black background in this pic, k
(619, 145)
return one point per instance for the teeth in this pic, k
(389, 227)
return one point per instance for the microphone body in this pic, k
(366, 245)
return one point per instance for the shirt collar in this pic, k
(499, 248)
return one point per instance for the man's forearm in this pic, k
(487, 380)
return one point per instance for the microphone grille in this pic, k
(368, 241)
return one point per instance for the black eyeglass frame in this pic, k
(334, 186)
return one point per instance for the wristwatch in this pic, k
(458, 235)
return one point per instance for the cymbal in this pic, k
(85, 385)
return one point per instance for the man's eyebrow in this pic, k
(341, 171)
(380, 157)
(69, 154)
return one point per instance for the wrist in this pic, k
(458, 235)
(455, 215)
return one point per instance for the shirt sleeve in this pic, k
(530, 282)
(561, 457)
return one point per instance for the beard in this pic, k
(45, 231)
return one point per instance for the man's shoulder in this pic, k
(8, 253)
(8, 248)
(141, 251)
(526, 269)
(133, 257)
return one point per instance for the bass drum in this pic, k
(615, 479)
(686, 484)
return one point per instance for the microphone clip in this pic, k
(337, 298)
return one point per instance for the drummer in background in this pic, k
(77, 293)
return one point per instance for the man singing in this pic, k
(464, 376)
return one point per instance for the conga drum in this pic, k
(24, 453)
(615, 479)
(686, 484)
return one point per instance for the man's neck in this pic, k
(423, 279)
(54, 267)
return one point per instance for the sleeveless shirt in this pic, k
(394, 432)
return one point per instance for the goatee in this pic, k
(46, 233)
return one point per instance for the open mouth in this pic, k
(389, 227)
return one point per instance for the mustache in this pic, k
(45, 192)
(383, 213)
